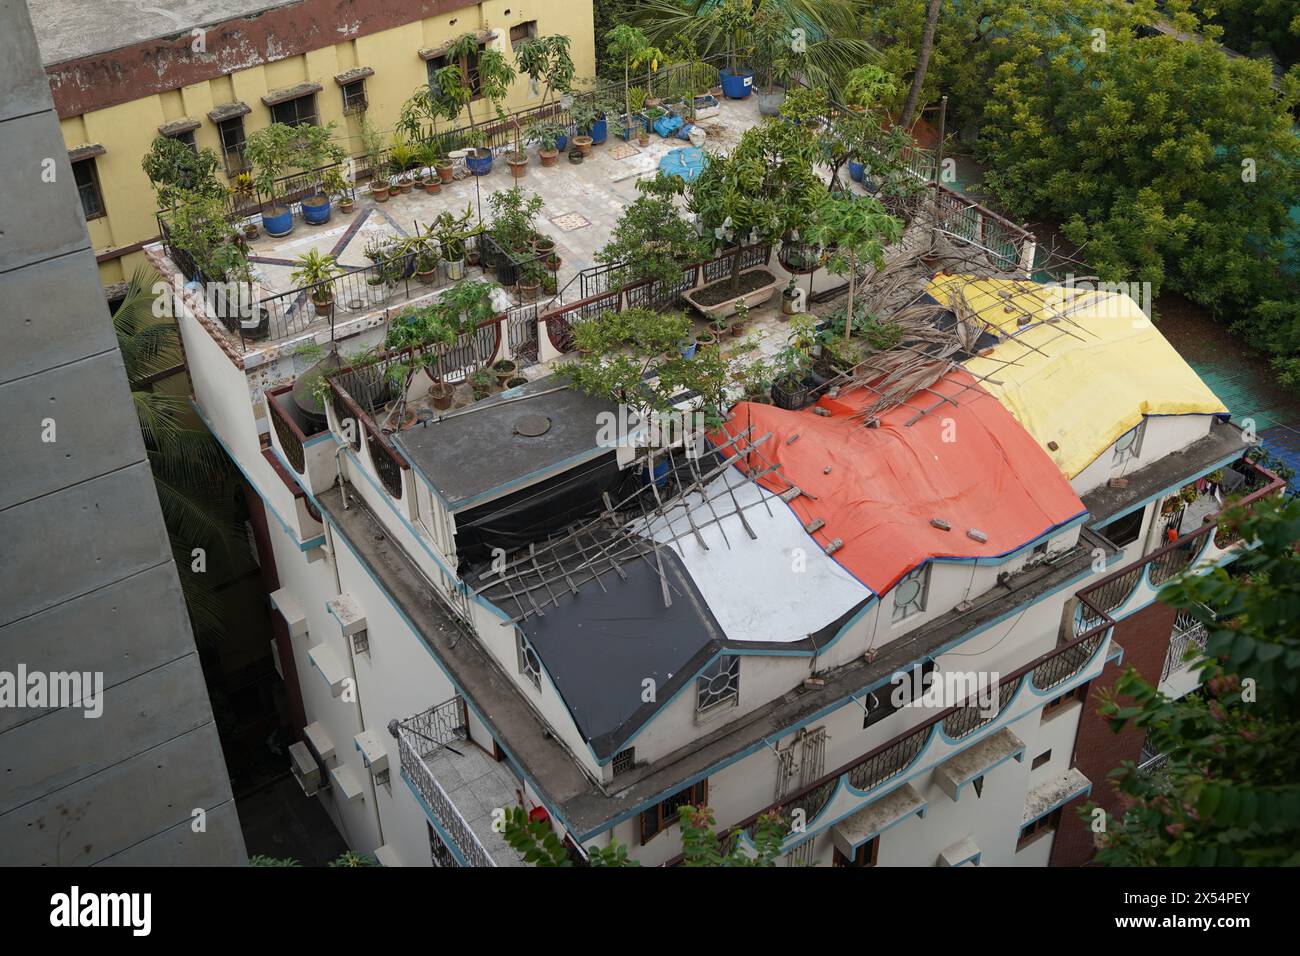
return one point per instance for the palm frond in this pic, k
(191, 522)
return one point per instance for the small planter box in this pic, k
(727, 307)
(793, 398)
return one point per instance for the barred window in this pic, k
(664, 814)
(624, 761)
(719, 685)
(297, 112)
(529, 665)
(910, 593)
(232, 144)
(87, 177)
(354, 97)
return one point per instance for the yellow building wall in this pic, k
(127, 130)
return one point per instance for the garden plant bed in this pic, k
(718, 300)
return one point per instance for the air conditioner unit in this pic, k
(305, 768)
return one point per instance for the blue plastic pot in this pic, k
(688, 349)
(317, 214)
(562, 142)
(280, 224)
(479, 165)
(660, 476)
(737, 84)
(855, 171)
(599, 131)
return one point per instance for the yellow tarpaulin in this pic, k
(1078, 368)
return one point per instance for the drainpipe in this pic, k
(338, 466)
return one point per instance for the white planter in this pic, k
(455, 269)
(378, 293)
(727, 307)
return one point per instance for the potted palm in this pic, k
(317, 272)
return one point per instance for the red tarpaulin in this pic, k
(970, 465)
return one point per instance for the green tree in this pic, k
(856, 229)
(652, 240)
(178, 173)
(537, 843)
(1230, 793)
(191, 473)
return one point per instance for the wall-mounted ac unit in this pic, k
(305, 768)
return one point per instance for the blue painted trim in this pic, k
(311, 543)
(326, 435)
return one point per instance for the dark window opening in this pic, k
(87, 179)
(1041, 759)
(1124, 531)
(1079, 693)
(231, 132)
(978, 785)
(879, 703)
(864, 855)
(624, 761)
(354, 97)
(660, 817)
(1044, 824)
(521, 32)
(297, 112)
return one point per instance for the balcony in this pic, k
(1207, 546)
(1188, 633)
(458, 784)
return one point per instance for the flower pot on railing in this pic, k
(278, 221)
(737, 84)
(479, 161)
(316, 210)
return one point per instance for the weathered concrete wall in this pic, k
(87, 578)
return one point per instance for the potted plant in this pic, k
(494, 78)
(738, 319)
(451, 232)
(734, 20)
(859, 227)
(272, 151)
(789, 390)
(628, 44)
(547, 136)
(530, 280)
(549, 283)
(317, 272)
(335, 185)
(481, 383)
(585, 117)
(512, 230)
(517, 159)
(505, 370)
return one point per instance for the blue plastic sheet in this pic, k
(686, 162)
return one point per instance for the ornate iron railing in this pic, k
(972, 717)
(1187, 632)
(419, 738)
(287, 431)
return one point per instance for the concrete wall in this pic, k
(87, 578)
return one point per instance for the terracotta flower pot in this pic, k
(379, 193)
(432, 186)
(442, 394)
(548, 156)
(518, 164)
(323, 306)
(643, 138)
(583, 143)
(528, 291)
(345, 205)
(445, 171)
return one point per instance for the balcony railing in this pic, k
(1188, 632)
(419, 738)
(896, 756)
(287, 431)
(1108, 594)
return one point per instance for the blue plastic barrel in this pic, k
(737, 84)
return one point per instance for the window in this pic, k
(529, 665)
(1129, 445)
(87, 178)
(978, 785)
(468, 70)
(864, 855)
(187, 137)
(521, 32)
(1041, 759)
(231, 132)
(879, 703)
(719, 685)
(354, 97)
(296, 112)
(910, 593)
(1031, 831)
(624, 761)
(660, 817)
(1079, 693)
(1124, 531)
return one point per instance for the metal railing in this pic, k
(1187, 632)
(421, 737)
(287, 431)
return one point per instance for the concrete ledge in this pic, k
(977, 760)
(962, 852)
(872, 820)
(1046, 797)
